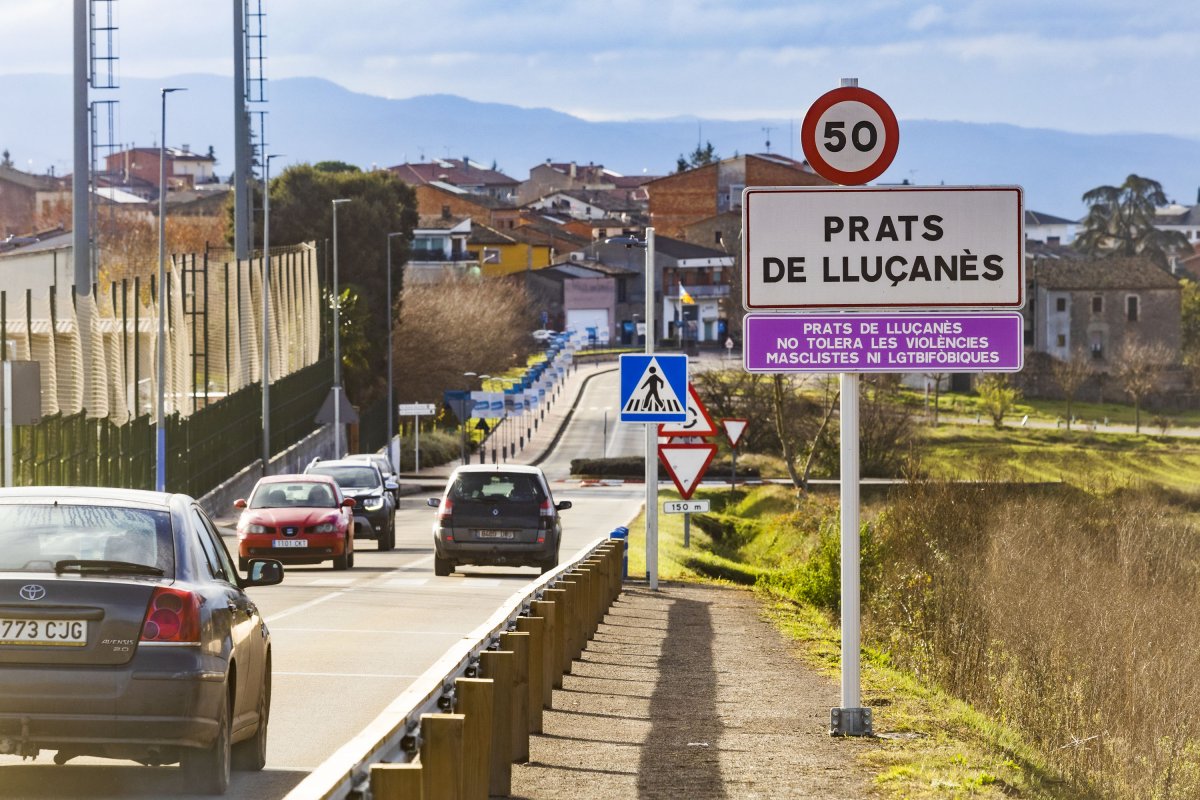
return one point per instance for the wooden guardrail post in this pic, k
(536, 628)
(396, 782)
(473, 699)
(563, 622)
(549, 611)
(498, 665)
(441, 756)
(518, 643)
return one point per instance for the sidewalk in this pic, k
(689, 692)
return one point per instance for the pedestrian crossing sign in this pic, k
(654, 388)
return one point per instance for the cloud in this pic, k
(926, 17)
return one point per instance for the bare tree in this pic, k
(1139, 367)
(794, 416)
(452, 326)
(936, 378)
(1070, 374)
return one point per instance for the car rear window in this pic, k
(351, 477)
(496, 486)
(35, 536)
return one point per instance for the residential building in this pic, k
(1182, 219)
(678, 200)
(1100, 304)
(439, 250)
(552, 177)
(1049, 229)
(462, 173)
(137, 170)
(510, 251)
(437, 198)
(28, 202)
(589, 205)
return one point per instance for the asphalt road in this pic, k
(346, 643)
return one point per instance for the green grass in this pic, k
(1116, 413)
(965, 452)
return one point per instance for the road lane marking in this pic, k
(277, 673)
(372, 631)
(303, 606)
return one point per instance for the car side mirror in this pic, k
(349, 502)
(562, 505)
(239, 503)
(433, 502)
(263, 572)
(391, 486)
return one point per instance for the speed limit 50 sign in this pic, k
(850, 135)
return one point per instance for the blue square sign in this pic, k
(654, 388)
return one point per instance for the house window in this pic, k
(1131, 308)
(1060, 304)
(735, 195)
(1097, 304)
(1062, 340)
(1097, 346)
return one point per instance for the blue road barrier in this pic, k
(622, 533)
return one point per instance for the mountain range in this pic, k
(311, 119)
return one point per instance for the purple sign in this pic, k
(949, 342)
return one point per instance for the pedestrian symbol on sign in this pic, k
(653, 394)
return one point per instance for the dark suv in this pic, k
(374, 509)
(496, 515)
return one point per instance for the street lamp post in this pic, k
(337, 341)
(160, 457)
(266, 310)
(390, 402)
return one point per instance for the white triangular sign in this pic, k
(686, 464)
(734, 428)
(653, 394)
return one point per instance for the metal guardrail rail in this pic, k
(394, 736)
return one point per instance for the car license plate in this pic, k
(54, 632)
(290, 543)
(495, 534)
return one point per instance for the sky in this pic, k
(1087, 66)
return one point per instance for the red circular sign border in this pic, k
(842, 94)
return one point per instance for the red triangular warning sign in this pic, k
(734, 428)
(698, 422)
(686, 464)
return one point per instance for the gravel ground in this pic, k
(689, 692)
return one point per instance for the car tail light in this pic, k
(546, 509)
(172, 616)
(445, 510)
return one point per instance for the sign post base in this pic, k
(850, 722)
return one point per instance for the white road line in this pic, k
(303, 606)
(369, 630)
(389, 675)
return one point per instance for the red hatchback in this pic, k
(297, 519)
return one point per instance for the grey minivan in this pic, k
(496, 515)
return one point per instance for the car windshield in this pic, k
(496, 486)
(351, 477)
(305, 494)
(35, 537)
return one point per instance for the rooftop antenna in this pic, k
(767, 131)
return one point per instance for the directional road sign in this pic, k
(850, 135)
(812, 247)
(698, 422)
(686, 464)
(653, 388)
(943, 342)
(415, 409)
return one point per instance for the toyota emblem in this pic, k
(495, 512)
(31, 591)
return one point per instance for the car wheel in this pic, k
(206, 769)
(350, 558)
(442, 566)
(387, 539)
(346, 559)
(251, 755)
